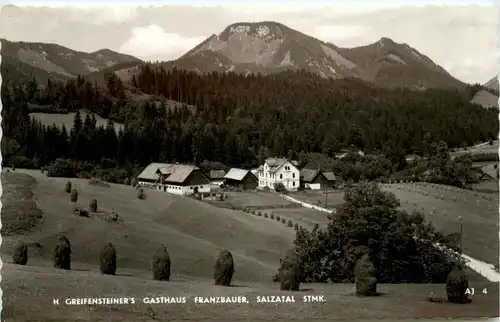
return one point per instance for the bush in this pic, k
(279, 187)
(224, 268)
(366, 276)
(265, 215)
(272, 216)
(134, 182)
(62, 253)
(67, 187)
(126, 181)
(93, 205)
(283, 220)
(289, 272)
(290, 224)
(23, 163)
(61, 168)
(140, 194)
(107, 259)
(259, 214)
(74, 196)
(278, 218)
(456, 285)
(20, 253)
(161, 265)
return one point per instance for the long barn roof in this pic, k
(175, 172)
(237, 174)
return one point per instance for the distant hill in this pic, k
(43, 60)
(493, 84)
(488, 96)
(269, 47)
(392, 64)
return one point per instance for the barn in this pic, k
(330, 176)
(241, 178)
(181, 179)
(313, 179)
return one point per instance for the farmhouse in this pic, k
(180, 179)
(316, 179)
(279, 170)
(217, 177)
(241, 178)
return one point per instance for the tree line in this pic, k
(236, 120)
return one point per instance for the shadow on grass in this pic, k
(80, 270)
(123, 274)
(377, 294)
(445, 300)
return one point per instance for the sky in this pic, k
(461, 36)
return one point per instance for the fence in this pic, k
(308, 205)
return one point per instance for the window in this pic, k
(293, 175)
(287, 168)
(294, 183)
(281, 176)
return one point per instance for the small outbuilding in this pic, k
(241, 178)
(316, 179)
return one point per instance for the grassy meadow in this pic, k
(194, 233)
(66, 119)
(482, 148)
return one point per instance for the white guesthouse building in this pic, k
(181, 179)
(282, 170)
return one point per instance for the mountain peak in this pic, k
(269, 46)
(492, 84)
(267, 30)
(386, 40)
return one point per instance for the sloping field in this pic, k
(481, 148)
(194, 232)
(305, 217)
(331, 199)
(67, 119)
(479, 214)
(29, 292)
(267, 202)
(19, 211)
(255, 199)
